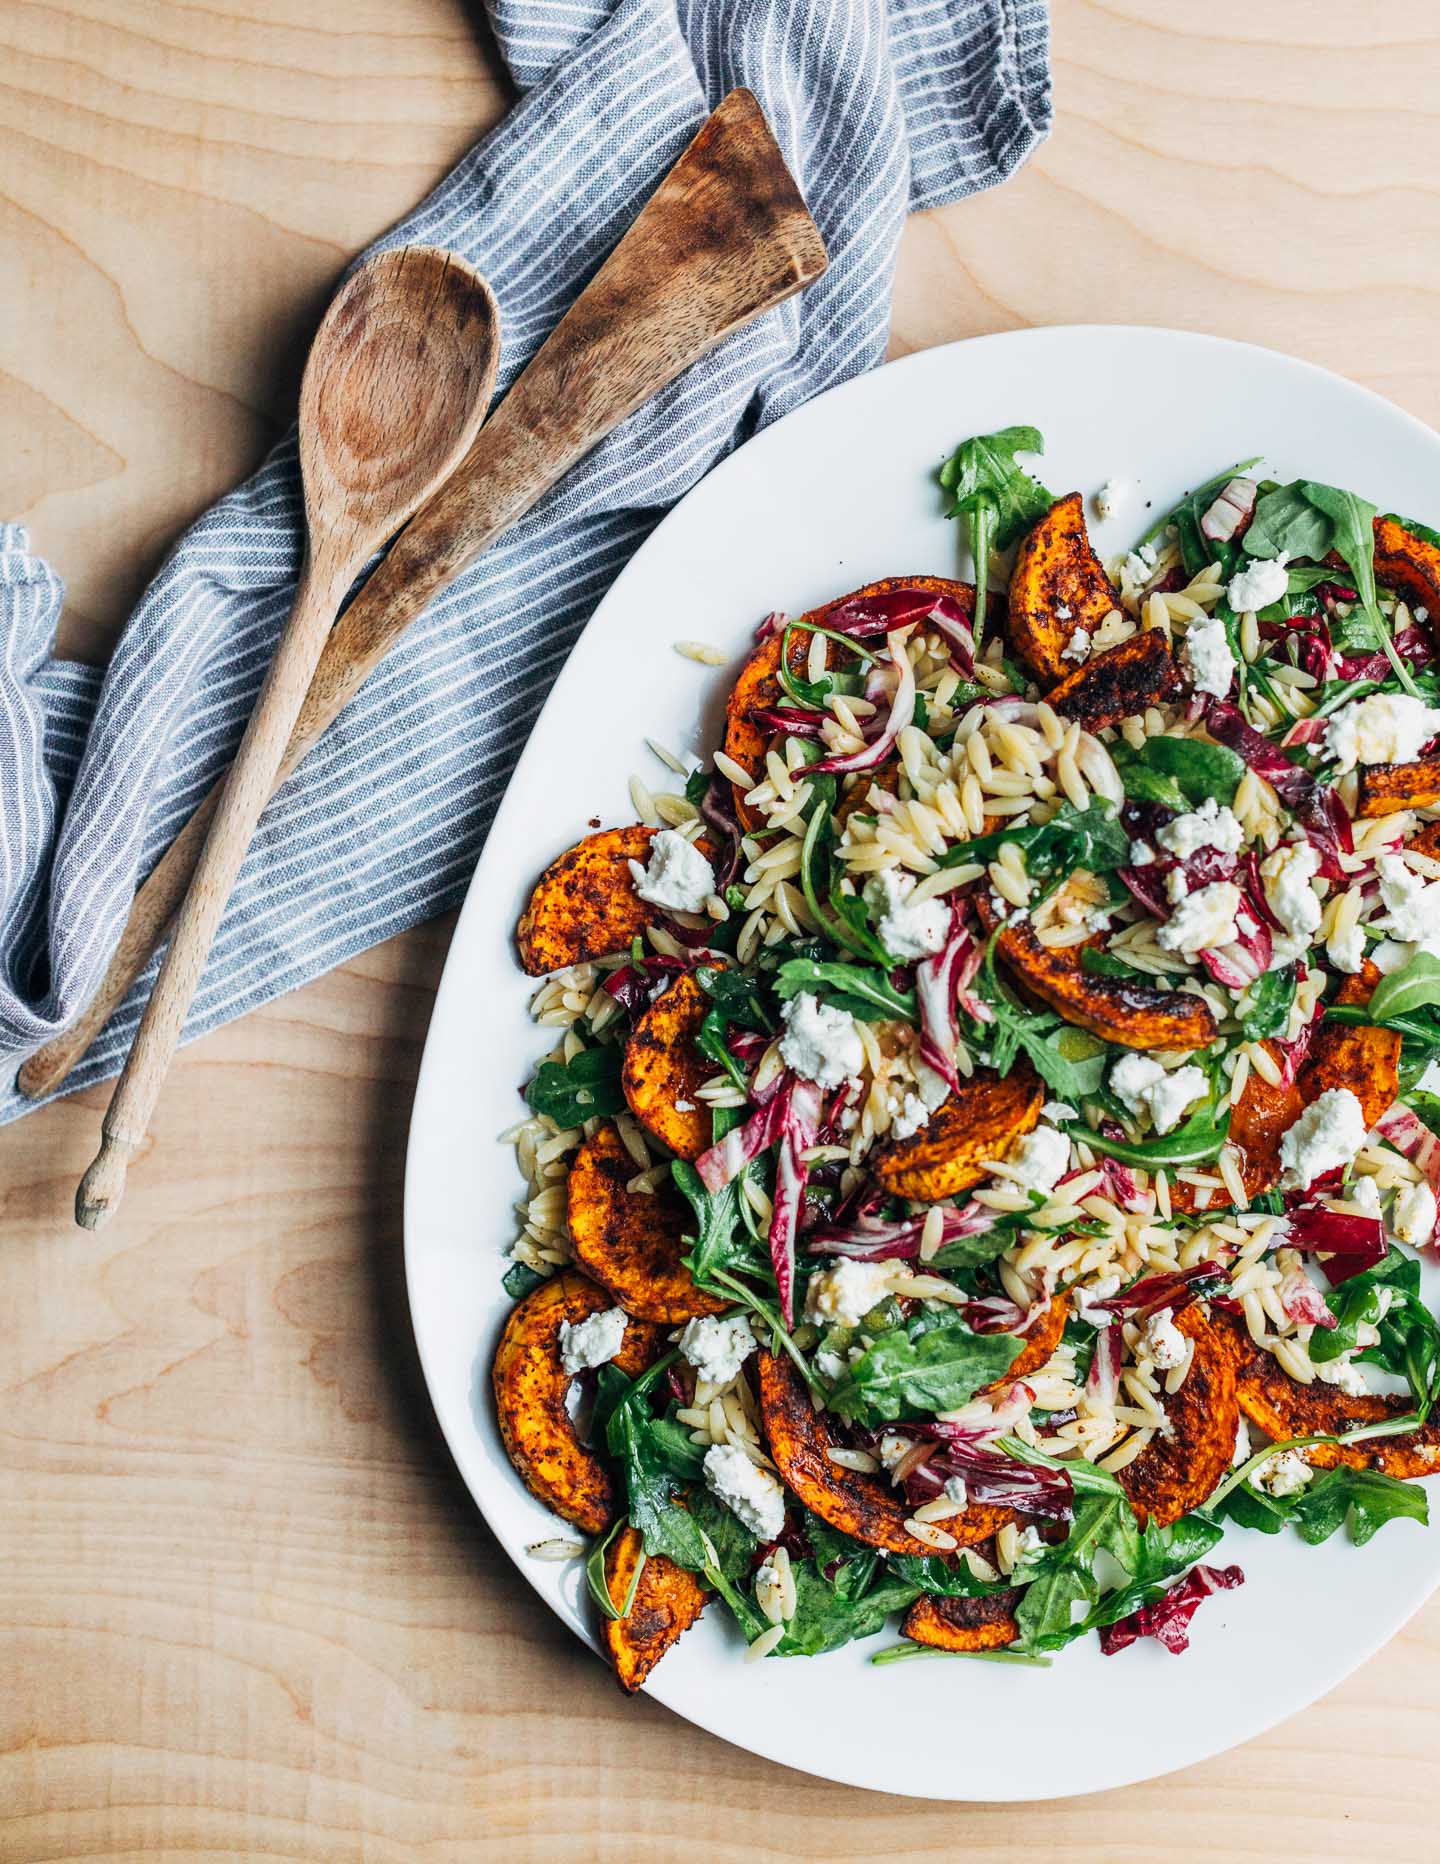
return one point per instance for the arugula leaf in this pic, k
(1143, 783)
(1196, 549)
(519, 1280)
(733, 1001)
(642, 1456)
(1287, 519)
(1415, 986)
(1363, 1500)
(864, 990)
(1271, 996)
(1092, 838)
(729, 1558)
(599, 1585)
(1197, 768)
(921, 1368)
(845, 922)
(1069, 1061)
(827, 1617)
(1194, 1143)
(950, 1579)
(583, 1089)
(998, 498)
(1045, 1615)
(715, 1244)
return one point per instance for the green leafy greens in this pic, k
(998, 498)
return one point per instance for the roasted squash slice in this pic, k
(864, 1506)
(1056, 570)
(530, 1386)
(1409, 564)
(981, 1120)
(1040, 1338)
(1282, 1408)
(667, 1602)
(1118, 683)
(962, 1624)
(1364, 1059)
(585, 904)
(1383, 789)
(632, 1241)
(1175, 1473)
(663, 1069)
(1134, 1015)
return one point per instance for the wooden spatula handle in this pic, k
(725, 237)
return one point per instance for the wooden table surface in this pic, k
(248, 1611)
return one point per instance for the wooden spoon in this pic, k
(724, 237)
(395, 389)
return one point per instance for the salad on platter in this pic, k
(994, 1122)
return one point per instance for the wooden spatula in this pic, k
(725, 237)
(397, 383)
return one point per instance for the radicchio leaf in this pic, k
(1168, 1617)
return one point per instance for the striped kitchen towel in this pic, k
(881, 106)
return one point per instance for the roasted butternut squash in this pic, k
(585, 905)
(1118, 683)
(663, 1069)
(980, 1120)
(631, 1242)
(1055, 571)
(962, 1624)
(1174, 1473)
(667, 1602)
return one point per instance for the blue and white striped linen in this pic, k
(881, 106)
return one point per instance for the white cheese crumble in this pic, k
(1346, 949)
(907, 931)
(1162, 1341)
(1242, 1451)
(591, 1342)
(1141, 854)
(1344, 1375)
(843, 1293)
(1284, 1474)
(1412, 904)
(1413, 1217)
(1287, 875)
(1262, 581)
(1110, 498)
(956, 1491)
(1203, 920)
(894, 1448)
(678, 878)
(751, 1494)
(1386, 728)
(1208, 655)
(1060, 1110)
(717, 1347)
(1041, 1159)
(1078, 646)
(820, 1042)
(1144, 1087)
(1327, 1134)
(1140, 565)
(1212, 825)
(908, 1116)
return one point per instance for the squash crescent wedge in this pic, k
(1134, 1015)
(986, 1623)
(1056, 569)
(1284, 1408)
(663, 1070)
(1383, 789)
(980, 1120)
(1041, 1338)
(863, 1506)
(585, 905)
(631, 1242)
(1408, 563)
(1117, 683)
(667, 1602)
(530, 1385)
(1175, 1473)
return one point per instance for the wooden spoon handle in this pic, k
(246, 790)
(725, 237)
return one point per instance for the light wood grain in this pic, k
(248, 1609)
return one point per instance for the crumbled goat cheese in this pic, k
(1286, 947)
(820, 1041)
(1212, 825)
(1177, 884)
(1141, 854)
(1208, 655)
(769, 1590)
(1062, 613)
(1140, 565)
(908, 1116)
(1110, 497)
(678, 878)
(956, 1491)
(1059, 1110)
(1413, 1217)
(1262, 581)
(1412, 904)
(1027, 1541)
(1078, 646)
(1041, 1158)
(844, 1292)
(1101, 1289)
(1346, 950)
(751, 1494)
(1386, 728)
(1145, 1087)
(894, 1448)
(830, 1366)
(1364, 1194)
(1242, 1451)
(592, 1342)
(1344, 1375)
(908, 931)
(1162, 1341)
(1327, 1134)
(716, 1347)
(1203, 920)
(1287, 875)
(1285, 1474)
